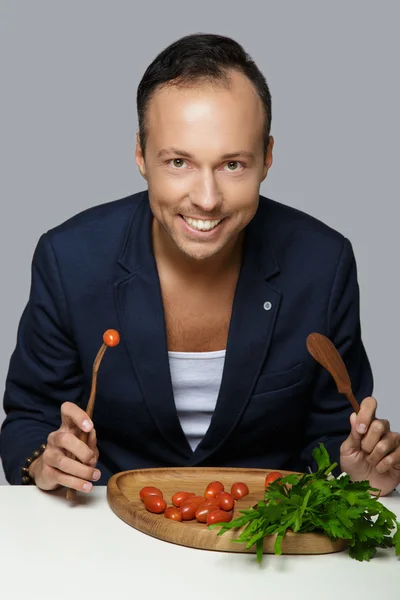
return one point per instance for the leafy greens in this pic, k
(320, 503)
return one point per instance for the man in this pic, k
(214, 290)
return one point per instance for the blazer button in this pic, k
(267, 305)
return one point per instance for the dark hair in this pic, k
(197, 57)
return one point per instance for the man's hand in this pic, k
(54, 468)
(372, 451)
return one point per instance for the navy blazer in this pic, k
(97, 271)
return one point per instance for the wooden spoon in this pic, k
(325, 353)
(110, 338)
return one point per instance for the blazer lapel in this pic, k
(254, 312)
(142, 325)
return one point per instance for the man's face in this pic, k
(204, 163)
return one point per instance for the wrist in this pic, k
(31, 464)
(33, 467)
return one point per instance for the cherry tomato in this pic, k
(196, 500)
(180, 497)
(150, 491)
(239, 490)
(203, 511)
(213, 489)
(225, 501)
(173, 513)
(188, 510)
(155, 504)
(111, 337)
(219, 516)
(213, 502)
(273, 476)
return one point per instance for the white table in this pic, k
(51, 549)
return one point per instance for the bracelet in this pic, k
(26, 478)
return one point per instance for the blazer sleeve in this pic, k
(330, 413)
(44, 369)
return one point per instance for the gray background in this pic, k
(69, 73)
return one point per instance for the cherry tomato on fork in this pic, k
(111, 337)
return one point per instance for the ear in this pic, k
(268, 157)
(140, 158)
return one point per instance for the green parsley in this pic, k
(318, 502)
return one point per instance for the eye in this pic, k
(177, 162)
(233, 164)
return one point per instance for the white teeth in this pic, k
(202, 225)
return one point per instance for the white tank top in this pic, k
(196, 379)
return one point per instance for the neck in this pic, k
(218, 265)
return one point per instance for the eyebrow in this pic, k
(171, 150)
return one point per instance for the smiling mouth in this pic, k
(200, 224)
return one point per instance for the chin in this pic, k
(199, 251)
(199, 254)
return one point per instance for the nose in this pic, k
(206, 195)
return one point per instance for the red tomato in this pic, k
(213, 489)
(219, 516)
(173, 513)
(111, 337)
(273, 476)
(225, 501)
(239, 490)
(196, 500)
(213, 502)
(188, 510)
(150, 491)
(203, 511)
(180, 497)
(155, 504)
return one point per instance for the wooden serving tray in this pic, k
(123, 497)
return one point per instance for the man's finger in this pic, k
(72, 415)
(389, 442)
(378, 430)
(366, 414)
(63, 463)
(67, 441)
(92, 443)
(70, 481)
(92, 440)
(390, 461)
(353, 442)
